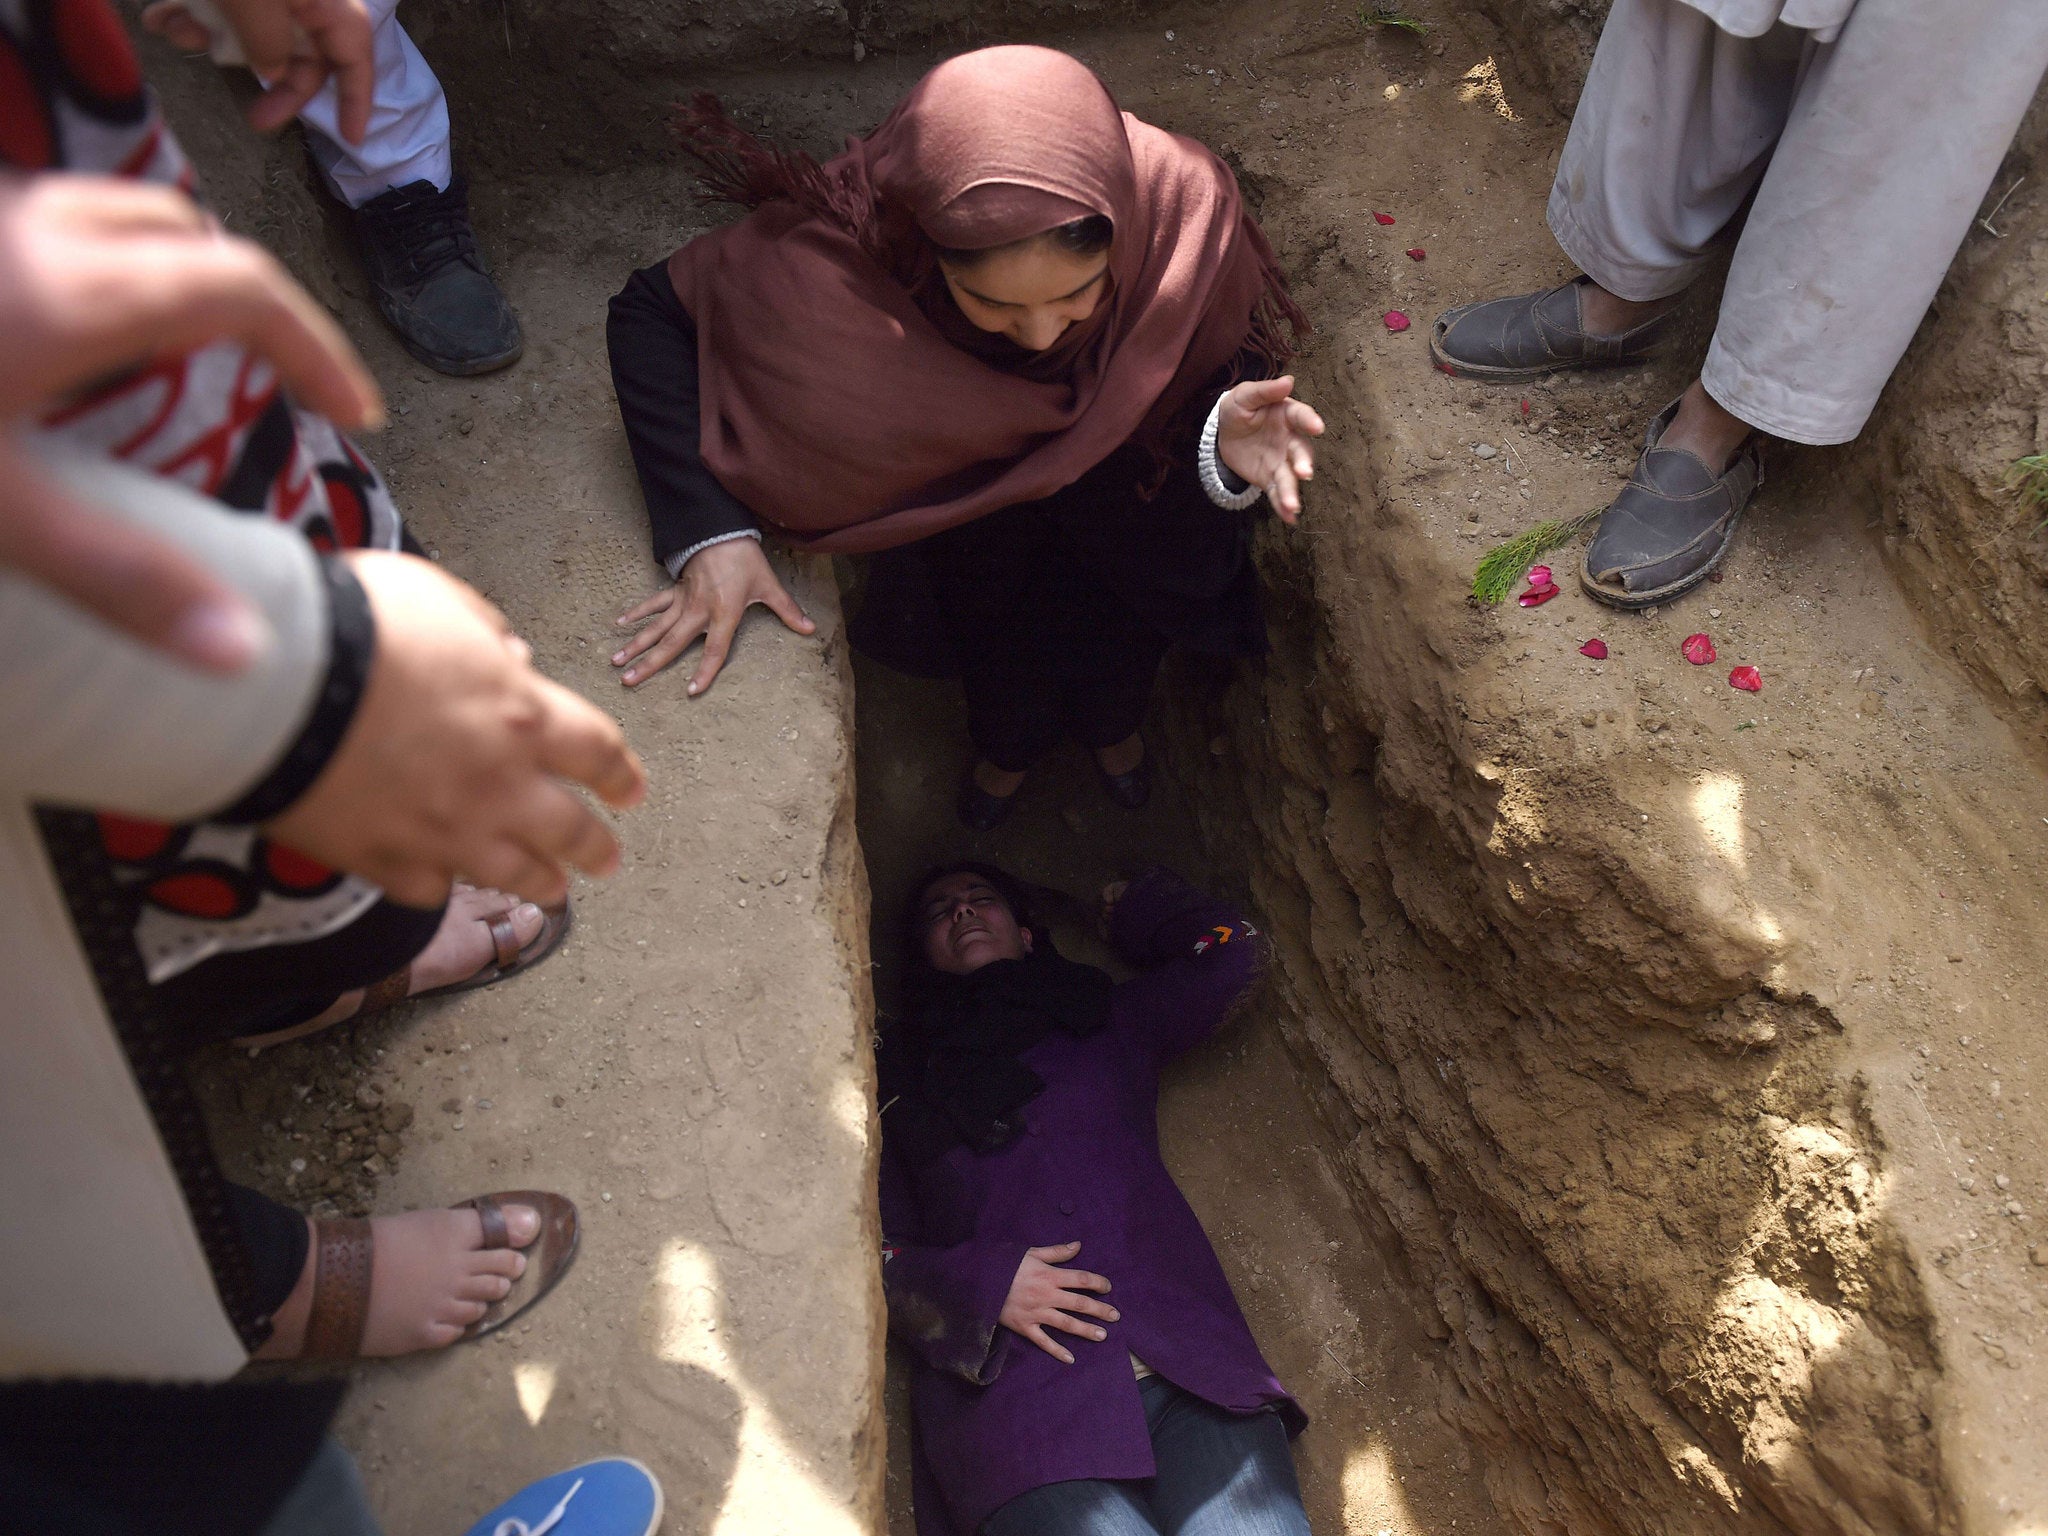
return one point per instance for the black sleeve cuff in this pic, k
(652, 342)
(351, 647)
(276, 1239)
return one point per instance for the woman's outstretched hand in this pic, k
(1042, 1297)
(1266, 436)
(717, 587)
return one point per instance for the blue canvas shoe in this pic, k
(613, 1497)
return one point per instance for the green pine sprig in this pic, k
(1390, 16)
(1505, 564)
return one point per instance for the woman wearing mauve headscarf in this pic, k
(1014, 342)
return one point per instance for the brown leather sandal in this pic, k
(345, 1254)
(508, 959)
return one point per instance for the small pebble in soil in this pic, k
(2003, 1181)
(1484, 451)
(1713, 613)
(559, 1101)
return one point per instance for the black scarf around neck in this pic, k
(949, 1070)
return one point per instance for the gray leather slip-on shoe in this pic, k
(1672, 523)
(1528, 335)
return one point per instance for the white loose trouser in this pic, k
(1869, 155)
(408, 137)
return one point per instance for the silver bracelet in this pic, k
(1211, 467)
(676, 562)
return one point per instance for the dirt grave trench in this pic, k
(1639, 1131)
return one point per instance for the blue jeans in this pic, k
(327, 1501)
(1220, 1474)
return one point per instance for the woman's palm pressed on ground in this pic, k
(717, 587)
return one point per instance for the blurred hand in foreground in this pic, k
(98, 274)
(456, 760)
(293, 46)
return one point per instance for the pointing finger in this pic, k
(786, 608)
(647, 607)
(661, 629)
(717, 644)
(670, 643)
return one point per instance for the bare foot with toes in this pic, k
(430, 1279)
(459, 949)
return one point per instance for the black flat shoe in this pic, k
(980, 811)
(431, 282)
(1129, 790)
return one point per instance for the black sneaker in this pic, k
(430, 280)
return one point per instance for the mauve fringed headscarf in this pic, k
(847, 401)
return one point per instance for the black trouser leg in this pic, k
(990, 577)
(255, 991)
(1109, 660)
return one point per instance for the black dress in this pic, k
(1054, 614)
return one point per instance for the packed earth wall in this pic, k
(1636, 1023)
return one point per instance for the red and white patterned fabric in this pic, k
(72, 99)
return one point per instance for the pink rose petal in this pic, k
(1383, 218)
(1698, 650)
(1540, 576)
(1416, 253)
(1525, 410)
(1396, 321)
(1748, 679)
(1536, 597)
(1597, 649)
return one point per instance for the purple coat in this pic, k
(996, 1416)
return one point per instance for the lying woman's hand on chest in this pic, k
(1044, 1296)
(718, 585)
(1266, 438)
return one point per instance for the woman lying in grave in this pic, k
(1019, 1142)
(1017, 340)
